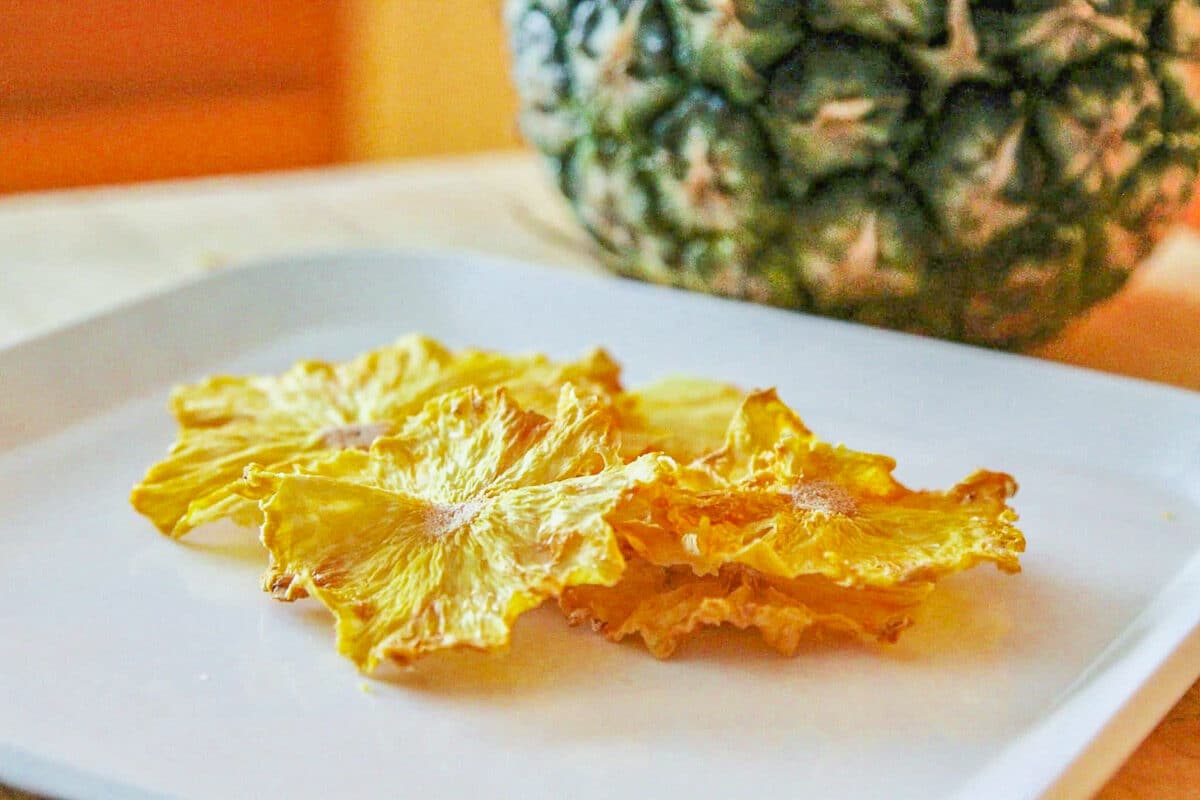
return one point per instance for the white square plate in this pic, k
(136, 666)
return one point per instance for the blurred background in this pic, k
(115, 91)
(97, 92)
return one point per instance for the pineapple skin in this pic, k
(980, 171)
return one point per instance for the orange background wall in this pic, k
(102, 91)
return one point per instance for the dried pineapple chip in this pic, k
(315, 409)
(666, 605)
(779, 531)
(684, 418)
(441, 535)
(780, 501)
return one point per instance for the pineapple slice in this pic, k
(782, 532)
(442, 535)
(667, 605)
(782, 502)
(315, 410)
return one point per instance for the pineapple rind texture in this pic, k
(982, 171)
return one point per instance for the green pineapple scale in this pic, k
(982, 171)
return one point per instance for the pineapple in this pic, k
(973, 170)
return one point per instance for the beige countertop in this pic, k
(70, 254)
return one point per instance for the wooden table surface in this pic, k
(68, 255)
